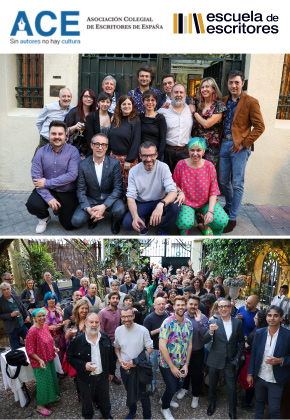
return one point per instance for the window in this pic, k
(269, 278)
(283, 110)
(29, 92)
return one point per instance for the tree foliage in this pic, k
(123, 251)
(232, 257)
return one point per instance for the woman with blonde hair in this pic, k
(85, 282)
(208, 110)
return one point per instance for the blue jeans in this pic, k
(145, 401)
(118, 211)
(154, 361)
(170, 215)
(173, 385)
(14, 336)
(274, 393)
(232, 176)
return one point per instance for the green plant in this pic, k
(123, 251)
(35, 261)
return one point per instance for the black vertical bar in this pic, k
(196, 23)
(180, 23)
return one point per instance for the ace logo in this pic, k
(22, 24)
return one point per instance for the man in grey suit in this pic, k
(227, 345)
(100, 188)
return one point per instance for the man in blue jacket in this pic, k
(269, 365)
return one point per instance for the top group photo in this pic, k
(145, 144)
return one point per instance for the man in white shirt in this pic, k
(179, 124)
(151, 194)
(228, 342)
(99, 188)
(56, 111)
(282, 300)
(91, 355)
(130, 341)
(269, 366)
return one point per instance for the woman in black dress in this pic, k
(153, 125)
(99, 121)
(125, 135)
(76, 120)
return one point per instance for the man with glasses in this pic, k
(228, 342)
(8, 278)
(100, 188)
(151, 194)
(130, 342)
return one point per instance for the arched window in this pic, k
(269, 278)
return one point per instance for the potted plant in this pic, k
(235, 284)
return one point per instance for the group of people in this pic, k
(154, 153)
(149, 321)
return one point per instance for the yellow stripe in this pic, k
(185, 24)
(175, 23)
(201, 25)
(190, 23)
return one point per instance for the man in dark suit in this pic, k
(109, 277)
(227, 345)
(14, 315)
(8, 278)
(168, 81)
(100, 188)
(243, 113)
(109, 86)
(269, 363)
(91, 355)
(49, 286)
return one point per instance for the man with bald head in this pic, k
(93, 300)
(153, 323)
(91, 355)
(247, 314)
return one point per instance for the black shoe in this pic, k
(226, 210)
(232, 415)
(211, 409)
(115, 226)
(92, 224)
(230, 226)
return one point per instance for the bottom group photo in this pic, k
(155, 328)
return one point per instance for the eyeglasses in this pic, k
(149, 100)
(127, 317)
(224, 306)
(87, 97)
(148, 156)
(102, 145)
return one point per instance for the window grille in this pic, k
(29, 91)
(283, 110)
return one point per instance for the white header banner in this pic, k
(153, 27)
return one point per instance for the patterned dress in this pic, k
(210, 135)
(39, 341)
(53, 318)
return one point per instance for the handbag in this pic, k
(15, 358)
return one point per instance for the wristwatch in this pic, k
(162, 201)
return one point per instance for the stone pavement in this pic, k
(252, 221)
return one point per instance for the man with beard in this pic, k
(200, 327)
(51, 112)
(179, 124)
(175, 344)
(91, 355)
(151, 194)
(110, 319)
(130, 341)
(153, 323)
(54, 173)
(144, 75)
(168, 81)
(247, 314)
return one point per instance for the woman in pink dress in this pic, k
(197, 190)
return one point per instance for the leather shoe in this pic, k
(232, 415)
(115, 226)
(230, 226)
(92, 224)
(116, 380)
(211, 409)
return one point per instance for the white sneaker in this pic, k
(167, 413)
(172, 403)
(42, 224)
(194, 402)
(182, 393)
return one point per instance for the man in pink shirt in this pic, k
(110, 319)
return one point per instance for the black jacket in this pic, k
(140, 376)
(93, 127)
(5, 313)
(106, 279)
(25, 296)
(79, 353)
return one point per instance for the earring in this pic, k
(201, 99)
(213, 96)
